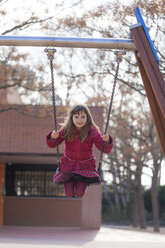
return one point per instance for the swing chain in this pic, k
(112, 96)
(118, 60)
(50, 55)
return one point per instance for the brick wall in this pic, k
(68, 212)
(91, 207)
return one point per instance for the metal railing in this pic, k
(31, 181)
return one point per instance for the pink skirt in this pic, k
(84, 176)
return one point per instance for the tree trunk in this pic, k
(116, 195)
(106, 195)
(135, 210)
(154, 198)
(141, 210)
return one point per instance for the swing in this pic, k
(50, 55)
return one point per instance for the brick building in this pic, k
(28, 197)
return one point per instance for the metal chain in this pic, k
(111, 99)
(50, 54)
(119, 59)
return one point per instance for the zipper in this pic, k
(78, 150)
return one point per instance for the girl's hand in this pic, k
(54, 135)
(106, 137)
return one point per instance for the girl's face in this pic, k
(79, 120)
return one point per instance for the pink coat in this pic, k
(79, 155)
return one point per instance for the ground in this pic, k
(106, 237)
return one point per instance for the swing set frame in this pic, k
(143, 48)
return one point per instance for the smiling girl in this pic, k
(78, 165)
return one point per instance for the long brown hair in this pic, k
(68, 126)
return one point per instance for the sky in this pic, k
(39, 6)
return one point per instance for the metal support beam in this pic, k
(75, 42)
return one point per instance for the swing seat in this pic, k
(86, 176)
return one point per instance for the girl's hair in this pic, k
(68, 126)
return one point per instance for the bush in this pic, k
(112, 214)
(161, 202)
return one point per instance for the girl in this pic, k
(77, 165)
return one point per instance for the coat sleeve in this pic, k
(52, 142)
(98, 141)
